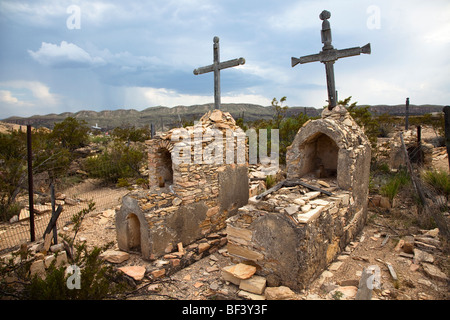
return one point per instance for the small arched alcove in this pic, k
(164, 167)
(320, 156)
(133, 233)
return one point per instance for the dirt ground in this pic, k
(203, 280)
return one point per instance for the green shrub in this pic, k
(270, 181)
(392, 187)
(97, 279)
(116, 162)
(439, 180)
(122, 183)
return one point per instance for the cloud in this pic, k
(7, 97)
(142, 97)
(28, 96)
(66, 55)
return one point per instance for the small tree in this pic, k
(279, 111)
(131, 133)
(13, 171)
(71, 133)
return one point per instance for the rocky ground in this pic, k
(420, 267)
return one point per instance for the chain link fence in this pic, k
(73, 200)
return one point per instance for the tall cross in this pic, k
(329, 55)
(216, 67)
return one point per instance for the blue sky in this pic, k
(59, 56)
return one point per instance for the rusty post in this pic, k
(30, 182)
(407, 114)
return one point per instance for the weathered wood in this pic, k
(291, 183)
(216, 67)
(416, 184)
(277, 187)
(52, 197)
(328, 56)
(53, 220)
(447, 131)
(392, 271)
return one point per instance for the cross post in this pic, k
(328, 56)
(216, 67)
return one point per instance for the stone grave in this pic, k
(292, 234)
(198, 178)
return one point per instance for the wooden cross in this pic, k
(216, 67)
(328, 56)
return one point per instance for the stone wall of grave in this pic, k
(292, 245)
(292, 235)
(191, 201)
(344, 141)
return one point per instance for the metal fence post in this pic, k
(30, 182)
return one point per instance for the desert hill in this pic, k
(169, 117)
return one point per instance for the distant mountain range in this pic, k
(164, 117)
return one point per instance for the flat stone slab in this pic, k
(115, 256)
(255, 284)
(135, 272)
(310, 215)
(241, 271)
(434, 272)
(279, 293)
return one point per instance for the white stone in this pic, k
(306, 208)
(279, 293)
(299, 201)
(319, 202)
(291, 209)
(250, 296)
(310, 215)
(311, 195)
(255, 284)
(48, 260)
(114, 256)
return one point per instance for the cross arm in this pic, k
(353, 51)
(305, 59)
(331, 55)
(222, 65)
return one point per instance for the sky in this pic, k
(65, 56)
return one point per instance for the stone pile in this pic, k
(176, 257)
(252, 286)
(41, 254)
(390, 150)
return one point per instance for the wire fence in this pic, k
(100, 172)
(75, 199)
